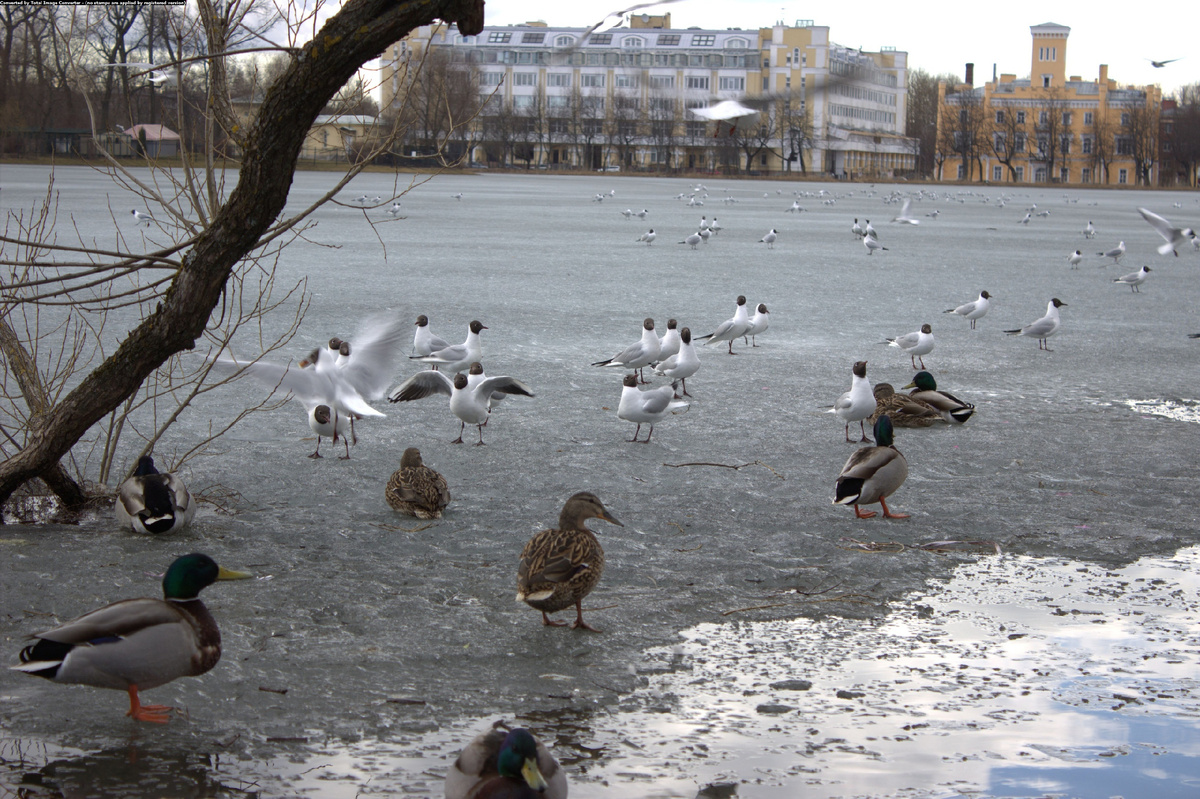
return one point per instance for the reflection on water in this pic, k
(1019, 677)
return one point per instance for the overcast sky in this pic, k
(943, 38)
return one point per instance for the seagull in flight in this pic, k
(1161, 64)
(1172, 236)
(154, 74)
(905, 216)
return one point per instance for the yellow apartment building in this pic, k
(1049, 127)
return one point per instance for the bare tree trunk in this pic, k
(359, 32)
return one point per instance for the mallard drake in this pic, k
(137, 644)
(904, 411)
(506, 764)
(872, 474)
(415, 489)
(153, 502)
(560, 567)
(949, 406)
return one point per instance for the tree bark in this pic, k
(357, 33)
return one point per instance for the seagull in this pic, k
(872, 245)
(714, 227)
(1025, 221)
(1161, 64)
(1172, 236)
(769, 239)
(758, 323)
(649, 236)
(642, 214)
(154, 75)
(458, 356)
(796, 207)
(682, 364)
(703, 223)
(1043, 328)
(705, 234)
(457, 196)
(724, 110)
(974, 310)
(367, 362)
(646, 407)
(693, 240)
(1134, 279)
(321, 385)
(731, 329)
(470, 405)
(141, 219)
(424, 340)
(915, 344)
(627, 213)
(1115, 253)
(856, 229)
(325, 421)
(1089, 231)
(858, 403)
(475, 376)
(639, 354)
(668, 345)
(395, 209)
(869, 231)
(905, 217)
(1074, 258)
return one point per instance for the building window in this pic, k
(1020, 117)
(1043, 118)
(998, 142)
(662, 81)
(592, 81)
(704, 40)
(1020, 174)
(1124, 145)
(633, 42)
(736, 44)
(1039, 175)
(624, 80)
(1064, 145)
(729, 84)
(1066, 119)
(1019, 144)
(492, 78)
(1087, 117)
(533, 38)
(522, 102)
(668, 39)
(1124, 120)
(558, 102)
(564, 41)
(561, 79)
(1046, 81)
(1086, 145)
(960, 172)
(1085, 175)
(997, 173)
(600, 38)
(499, 37)
(524, 79)
(1064, 175)
(696, 82)
(1123, 176)
(999, 117)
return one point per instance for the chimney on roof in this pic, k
(970, 74)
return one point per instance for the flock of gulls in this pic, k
(139, 644)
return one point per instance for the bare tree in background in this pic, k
(1181, 133)
(1009, 139)
(178, 285)
(1142, 133)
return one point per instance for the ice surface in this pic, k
(1065, 456)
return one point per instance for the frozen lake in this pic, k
(396, 641)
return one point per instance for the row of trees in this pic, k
(446, 109)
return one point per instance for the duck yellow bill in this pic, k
(230, 574)
(533, 777)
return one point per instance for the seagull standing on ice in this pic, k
(730, 329)
(470, 405)
(425, 342)
(646, 407)
(916, 344)
(457, 357)
(693, 240)
(1074, 258)
(1089, 231)
(682, 364)
(872, 244)
(974, 310)
(649, 236)
(1043, 328)
(1134, 279)
(639, 354)
(858, 403)
(769, 239)
(758, 324)
(141, 219)
(1115, 253)
(668, 345)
